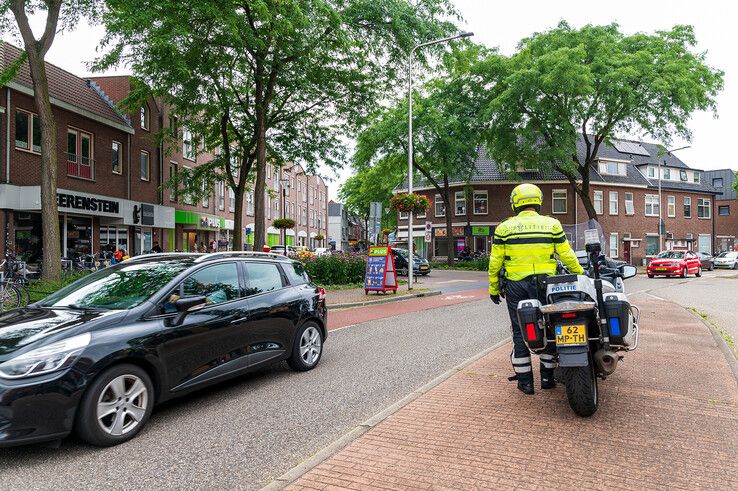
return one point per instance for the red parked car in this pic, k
(675, 263)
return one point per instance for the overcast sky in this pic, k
(503, 24)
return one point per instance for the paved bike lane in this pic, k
(668, 418)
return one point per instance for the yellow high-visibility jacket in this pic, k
(525, 245)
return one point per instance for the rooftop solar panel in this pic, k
(630, 148)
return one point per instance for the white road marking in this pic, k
(456, 281)
(458, 297)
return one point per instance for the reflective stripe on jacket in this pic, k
(527, 244)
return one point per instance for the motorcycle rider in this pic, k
(525, 245)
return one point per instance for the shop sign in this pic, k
(440, 232)
(458, 231)
(86, 203)
(209, 222)
(380, 274)
(147, 214)
(480, 230)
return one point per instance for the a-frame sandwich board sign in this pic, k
(380, 274)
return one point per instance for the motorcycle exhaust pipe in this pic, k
(606, 361)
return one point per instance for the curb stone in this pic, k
(393, 298)
(729, 354)
(347, 438)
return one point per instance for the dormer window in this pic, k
(611, 168)
(683, 175)
(145, 117)
(667, 173)
(651, 171)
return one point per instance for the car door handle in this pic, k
(239, 320)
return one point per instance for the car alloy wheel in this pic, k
(122, 405)
(310, 346)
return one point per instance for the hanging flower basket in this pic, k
(409, 203)
(387, 231)
(283, 223)
(319, 237)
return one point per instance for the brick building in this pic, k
(624, 189)
(112, 175)
(726, 209)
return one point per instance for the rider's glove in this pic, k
(495, 299)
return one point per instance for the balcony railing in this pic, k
(80, 166)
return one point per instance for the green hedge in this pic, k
(40, 289)
(336, 269)
(481, 264)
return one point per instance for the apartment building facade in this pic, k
(726, 209)
(626, 191)
(113, 173)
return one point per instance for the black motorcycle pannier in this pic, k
(529, 317)
(618, 313)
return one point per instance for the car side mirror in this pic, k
(186, 305)
(628, 271)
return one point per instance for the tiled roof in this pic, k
(728, 177)
(63, 86)
(487, 170)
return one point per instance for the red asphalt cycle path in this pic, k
(338, 319)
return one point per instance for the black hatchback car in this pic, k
(96, 356)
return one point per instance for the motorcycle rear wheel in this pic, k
(581, 389)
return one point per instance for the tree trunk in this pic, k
(49, 159)
(260, 238)
(238, 219)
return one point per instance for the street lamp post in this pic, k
(410, 242)
(661, 205)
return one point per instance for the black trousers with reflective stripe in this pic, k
(515, 291)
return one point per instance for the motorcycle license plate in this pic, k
(571, 335)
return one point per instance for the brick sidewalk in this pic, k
(668, 418)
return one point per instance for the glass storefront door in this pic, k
(76, 236)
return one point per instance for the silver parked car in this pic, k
(727, 260)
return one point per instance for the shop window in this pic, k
(27, 131)
(460, 201)
(117, 158)
(599, 199)
(145, 166)
(440, 207)
(703, 208)
(558, 196)
(687, 207)
(480, 203)
(80, 159)
(629, 207)
(671, 206)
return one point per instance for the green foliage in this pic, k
(284, 223)
(592, 83)
(40, 289)
(481, 264)
(335, 269)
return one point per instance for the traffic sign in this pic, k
(428, 226)
(427, 236)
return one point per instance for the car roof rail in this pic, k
(160, 255)
(225, 254)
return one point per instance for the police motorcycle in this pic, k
(587, 317)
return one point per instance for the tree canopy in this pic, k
(292, 75)
(592, 84)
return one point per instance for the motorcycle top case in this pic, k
(531, 323)
(619, 319)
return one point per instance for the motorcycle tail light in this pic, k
(530, 330)
(569, 315)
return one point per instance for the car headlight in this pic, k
(45, 359)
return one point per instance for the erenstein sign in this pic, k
(87, 203)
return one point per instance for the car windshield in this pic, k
(119, 287)
(671, 255)
(729, 255)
